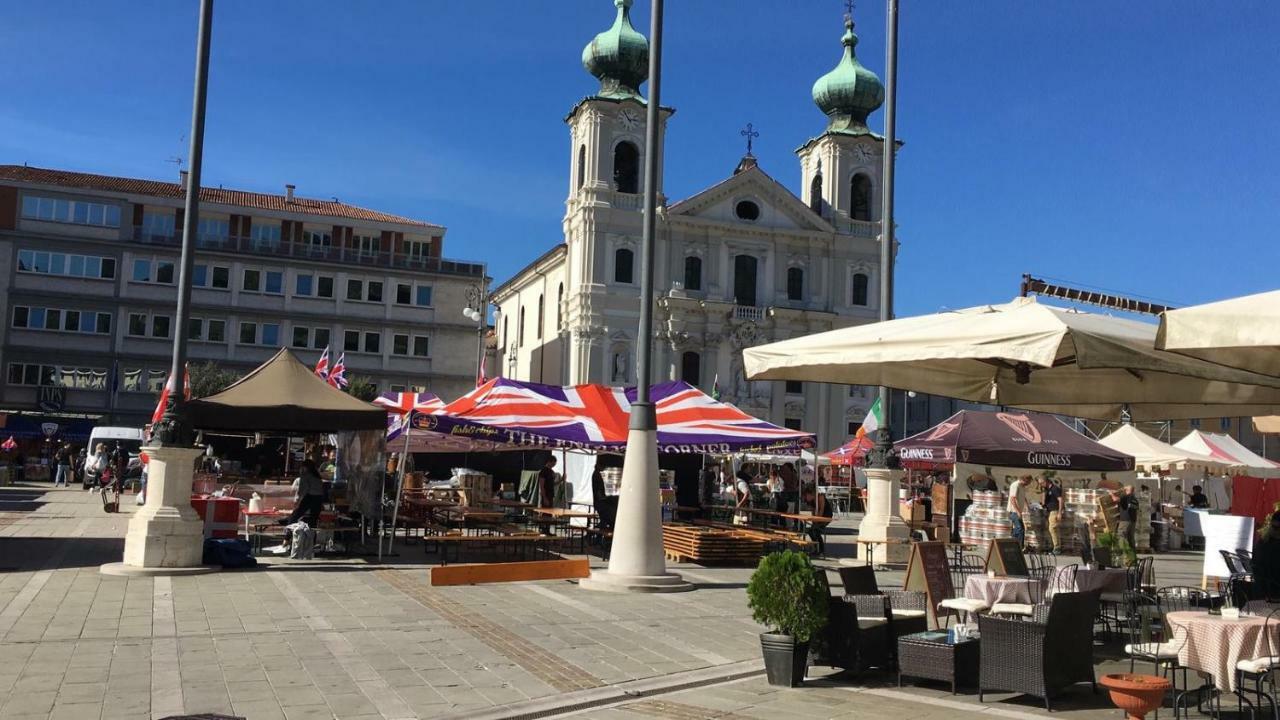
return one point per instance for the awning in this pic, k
(1010, 439)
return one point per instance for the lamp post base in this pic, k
(604, 581)
(165, 536)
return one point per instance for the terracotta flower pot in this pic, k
(1136, 695)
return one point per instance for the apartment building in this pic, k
(89, 268)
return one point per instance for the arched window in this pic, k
(691, 368)
(693, 273)
(744, 280)
(540, 315)
(582, 165)
(623, 259)
(860, 282)
(860, 192)
(626, 168)
(560, 307)
(520, 329)
(795, 283)
(815, 194)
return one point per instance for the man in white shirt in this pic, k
(1018, 507)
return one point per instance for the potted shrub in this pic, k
(786, 596)
(1106, 546)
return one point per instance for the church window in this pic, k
(540, 314)
(520, 329)
(744, 280)
(860, 191)
(582, 165)
(560, 307)
(747, 210)
(693, 273)
(860, 283)
(691, 368)
(795, 283)
(626, 168)
(815, 194)
(623, 259)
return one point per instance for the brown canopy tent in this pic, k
(284, 396)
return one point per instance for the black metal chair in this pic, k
(1261, 671)
(1040, 659)
(1050, 580)
(852, 641)
(958, 605)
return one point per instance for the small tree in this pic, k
(363, 388)
(208, 378)
(786, 596)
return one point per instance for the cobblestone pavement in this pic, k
(352, 639)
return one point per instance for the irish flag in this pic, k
(873, 421)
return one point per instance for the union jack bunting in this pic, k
(596, 417)
(399, 405)
(338, 375)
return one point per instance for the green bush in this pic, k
(786, 596)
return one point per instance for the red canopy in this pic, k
(853, 452)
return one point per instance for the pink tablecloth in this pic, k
(998, 589)
(1111, 580)
(1213, 644)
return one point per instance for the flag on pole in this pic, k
(168, 388)
(338, 375)
(715, 387)
(322, 367)
(481, 378)
(872, 422)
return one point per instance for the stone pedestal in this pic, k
(165, 536)
(637, 562)
(882, 521)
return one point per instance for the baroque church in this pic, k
(741, 263)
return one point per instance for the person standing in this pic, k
(95, 465)
(742, 490)
(1017, 508)
(63, 458)
(790, 487)
(1197, 499)
(1127, 502)
(308, 494)
(821, 508)
(547, 489)
(1053, 511)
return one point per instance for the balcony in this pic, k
(747, 312)
(319, 253)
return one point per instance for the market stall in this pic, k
(1252, 489)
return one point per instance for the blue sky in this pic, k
(1129, 146)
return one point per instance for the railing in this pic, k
(746, 312)
(857, 228)
(627, 201)
(307, 251)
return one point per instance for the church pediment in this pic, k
(751, 198)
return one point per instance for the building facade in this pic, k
(89, 265)
(741, 263)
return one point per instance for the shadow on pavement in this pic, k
(46, 553)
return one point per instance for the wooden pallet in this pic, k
(690, 543)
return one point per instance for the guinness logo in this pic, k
(941, 431)
(1022, 425)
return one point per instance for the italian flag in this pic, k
(873, 421)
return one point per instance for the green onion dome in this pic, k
(619, 56)
(850, 92)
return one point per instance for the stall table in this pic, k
(932, 656)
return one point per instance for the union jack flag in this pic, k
(338, 375)
(596, 417)
(401, 406)
(322, 367)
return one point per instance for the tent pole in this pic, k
(395, 510)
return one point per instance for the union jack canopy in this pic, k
(595, 417)
(399, 405)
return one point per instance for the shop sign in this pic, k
(51, 398)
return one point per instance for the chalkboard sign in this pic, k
(928, 571)
(1005, 557)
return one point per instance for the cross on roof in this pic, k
(848, 8)
(749, 134)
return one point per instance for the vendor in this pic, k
(547, 489)
(308, 489)
(1197, 499)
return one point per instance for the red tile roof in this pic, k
(218, 196)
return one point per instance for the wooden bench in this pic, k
(457, 539)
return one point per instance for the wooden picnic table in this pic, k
(517, 504)
(563, 513)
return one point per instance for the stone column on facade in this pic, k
(882, 522)
(165, 536)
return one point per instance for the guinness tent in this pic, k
(1010, 439)
(284, 396)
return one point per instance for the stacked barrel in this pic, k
(985, 520)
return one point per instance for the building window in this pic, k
(373, 291)
(421, 345)
(399, 344)
(370, 291)
(195, 329)
(213, 230)
(560, 307)
(744, 280)
(301, 337)
(423, 296)
(265, 237)
(860, 194)
(216, 331)
(852, 428)
(317, 238)
(217, 277)
(691, 368)
(78, 378)
(274, 282)
(794, 387)
(373, 342)
(76, 212)
(351, 341)
(158, 225)
(623, 260)
(251, 281)
(792, 423)
(747, 210)
(582, 166)
(693, 273)
(417, 249)
(158, 271)
(365, 245)
(626, 168)
(795, 283)
(405, 295)
(815, 194)
(406, 345)
(320, 338)
(355, 289)
(505, 337)
(304, 285)
(540, 313)
(58, 320)
(860, 282)
(324, 286)
(520, 329)
(137, 325)
(270, 334)
(248, 333)
(79, 266)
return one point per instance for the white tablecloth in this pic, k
(998, 589)
(1213, 644)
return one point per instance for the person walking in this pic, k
(95, 465)
(1053, 510)
(63, 458)
(1127, 502)
(308, 494)
(1017, 508)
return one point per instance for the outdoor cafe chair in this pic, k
(959, 605)
(1261, 671)
(1051, 580)
(1040, 658)
(851, 640)
(906, 610)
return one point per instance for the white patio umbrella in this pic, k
(1242, 332)
(1023, 354)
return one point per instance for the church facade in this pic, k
(741, 263)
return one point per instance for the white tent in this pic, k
(1225, 448)
(1152, 456)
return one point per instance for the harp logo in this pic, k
(1022, 425)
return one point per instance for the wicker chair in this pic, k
(908, 609)
(1051, 581)
(851, 640)
(1040, 658)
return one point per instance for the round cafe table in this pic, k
(1213, 644)
(1000, 589)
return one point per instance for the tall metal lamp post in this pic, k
(476, 310)
(637, 562)
(166, 537)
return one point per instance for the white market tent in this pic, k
(1153, 456)
(1227, 449)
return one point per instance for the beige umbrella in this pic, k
(1242, 332)
(1267, 424)
(1023, 354)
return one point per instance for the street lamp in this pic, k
(475, 311)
